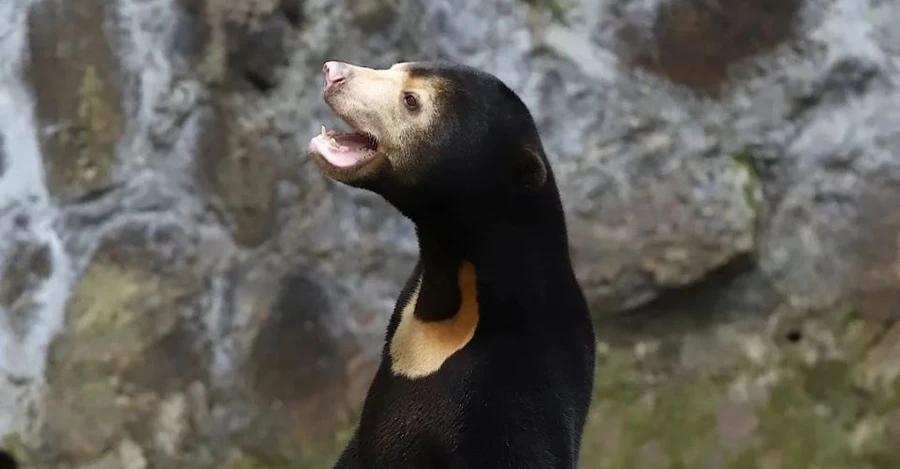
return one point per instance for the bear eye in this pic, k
(411, 101)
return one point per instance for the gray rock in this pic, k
(293, 11)
(645, 217)
(2, 156)
(73, 71)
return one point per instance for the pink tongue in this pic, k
(334, 156)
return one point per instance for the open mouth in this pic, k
(344, 149)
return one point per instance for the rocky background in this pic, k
(181, 289)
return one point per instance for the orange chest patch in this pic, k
(419, 348)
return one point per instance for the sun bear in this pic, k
(488, 360)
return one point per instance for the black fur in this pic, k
(7, 461)
(517, 395)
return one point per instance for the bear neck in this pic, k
(517, 259)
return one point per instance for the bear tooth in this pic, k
(333, 142)
(323, 130)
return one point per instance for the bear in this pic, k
(7, 461)
(488, 359)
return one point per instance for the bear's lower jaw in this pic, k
(343, 150)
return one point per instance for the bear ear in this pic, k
(532, 168)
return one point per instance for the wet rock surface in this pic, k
(180, 288)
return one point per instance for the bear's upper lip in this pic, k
(344, 149)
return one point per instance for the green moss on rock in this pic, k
(16, 447)
(785, 404)
(752, 184)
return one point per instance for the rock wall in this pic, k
(181, 289)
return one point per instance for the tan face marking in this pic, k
(399, 65)
(373, 101)
(418, 348)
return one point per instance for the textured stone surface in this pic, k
(73, 72)
(180, 289)
(695, 42)
(125, 337)
(668, 219)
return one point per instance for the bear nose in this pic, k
(334, 73)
